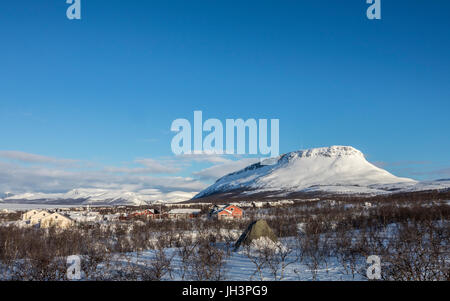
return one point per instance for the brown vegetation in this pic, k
(411, 238)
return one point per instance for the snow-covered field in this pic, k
(240, 268)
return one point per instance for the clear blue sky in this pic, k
(106, 88)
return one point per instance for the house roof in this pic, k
(57, 215)
(184, 211)
(225, 209)
(40, 214)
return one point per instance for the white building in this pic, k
(27, 215)
(183, 213)
(37, 218)
(56, 220)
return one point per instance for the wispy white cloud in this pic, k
(382, 164)
(33, 158)
(22, 172)
(16, 178)
(216, 171)
(410, 168)
(156, 166)
(204, 157)
(48, 174)
(443, 172)
(147, 166)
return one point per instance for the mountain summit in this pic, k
(338, 169)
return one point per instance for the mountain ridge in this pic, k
(338, 169)
(334, 170)
(87, 196)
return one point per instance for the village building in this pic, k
(37, 218)
(226, 212)
(111, 217)
(150, 213)
(183, 213)
(56, 220)
(27, 215)
(84, 217)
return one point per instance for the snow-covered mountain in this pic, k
(99, 196)
(335, 169)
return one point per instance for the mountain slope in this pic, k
(84, 196)
(336, 168)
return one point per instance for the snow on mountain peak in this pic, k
(334, 166)
(332, 151)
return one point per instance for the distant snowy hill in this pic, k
(335, 169)
(97, 196)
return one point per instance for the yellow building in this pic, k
(56, 220)
(27, 215)
(37, 218)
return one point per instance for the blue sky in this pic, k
(105, 89)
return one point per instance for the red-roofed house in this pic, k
(228, 212)
(151, 213)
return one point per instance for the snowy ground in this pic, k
(240, 268)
